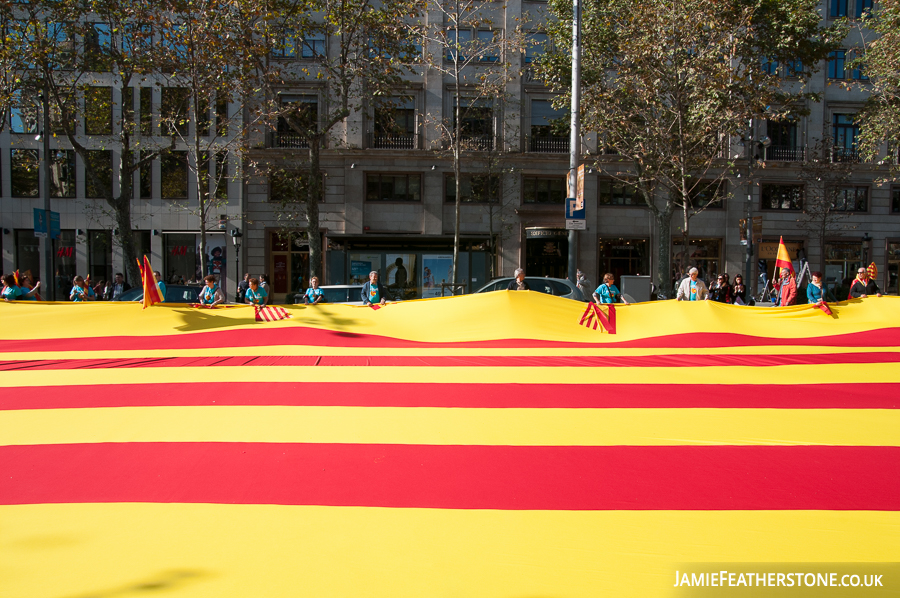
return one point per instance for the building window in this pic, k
(300, 115)
(174, 111)
(836, 62)
(844, 134)
(482, 45)
(290, 185)
(851, 199)
(174, 175)
(395, 124)
(182, 258)
(708, 194)
(98, 174)
(861, 7)
(544, 190)
(837, 8)
(549, 128)
(24, 172)
(23, 116)
(769, 66)
(145, 184)
(616, 193)
(145, 105)
(476, 123)
(781, 196)
(393, 187)
(294, 46)
(857, 73)
(98, 47)
(62, 173)
(842, 260)
(98, 111)
(895, 200)
(784, 135)
(65, 263)
(536, 44)
(473, 188)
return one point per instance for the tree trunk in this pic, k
(313, 196)
(122, 209)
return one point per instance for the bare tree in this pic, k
(466, 43)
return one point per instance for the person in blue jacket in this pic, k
(816, 292)
(607, 292)
(372, 292)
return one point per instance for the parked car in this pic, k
(175, 293)
(560, 287)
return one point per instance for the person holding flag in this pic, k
(864, 284)
(81, 291)
(787, 287)
(152, 292)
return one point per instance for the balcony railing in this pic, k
(785, 153)
(398, 142)
(288, 141)
(481, 143)
(549, 145)
(846, 154)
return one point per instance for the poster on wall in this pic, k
(400, 274)
(361, 264)
(215, 256)
(435, 270)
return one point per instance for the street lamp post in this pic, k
(574, 132)
(236, 238)
(752, 145)
(49, 283)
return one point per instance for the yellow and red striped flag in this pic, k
(270, 313)
(783, 258)
(152, 292)
(481, 446)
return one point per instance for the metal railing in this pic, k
(549, 145)
(785, 153)
(288, 141)
(846, 154)
(402, 142)
(482, 143)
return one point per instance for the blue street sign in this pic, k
(55, 233)
(571, 212)
(40, 223)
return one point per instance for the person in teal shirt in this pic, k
(161, 285)
(255, 294)
(373, 293)
(81, 291)
(816, 293)
(13, 292)
(314, 294)
(607, 292)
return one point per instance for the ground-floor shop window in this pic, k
(181, 258)
(546, 252)
(892, 257)
(768, 252)
(842, 260)
(28, 252)
(65, 263)
(100, 255)
(622, 256)
(703, 254)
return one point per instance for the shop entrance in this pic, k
(546, 252)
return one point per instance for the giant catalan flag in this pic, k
(485, 446)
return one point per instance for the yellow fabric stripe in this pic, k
(205, 550)
(398, 425)
(524, 314)
(737, 375)
(313, 350)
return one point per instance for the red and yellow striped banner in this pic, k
(481, 446)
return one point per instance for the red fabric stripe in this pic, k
(537, 396)
(884, 337)
(455, 361)
(458, 477)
